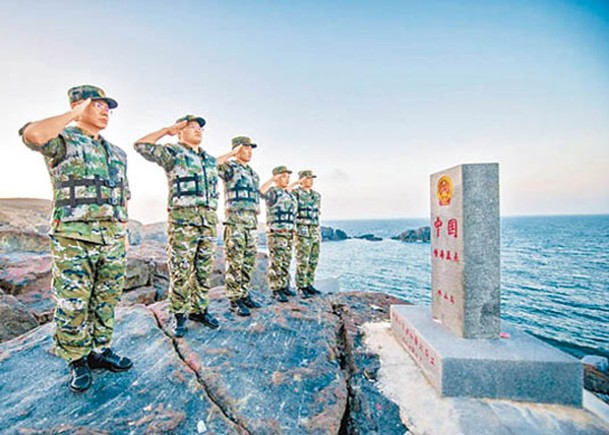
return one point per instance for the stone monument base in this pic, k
(518, 367)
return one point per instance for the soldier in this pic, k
(281, 208)
(88, 235)
(192, 179)
(308, 233)
(242, 200)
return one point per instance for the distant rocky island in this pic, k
(419, 235)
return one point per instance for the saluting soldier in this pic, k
(242, 205)
(308, 233)
(281, 208)
(192, 201)
(88, 234)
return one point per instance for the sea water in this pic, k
(554, 273)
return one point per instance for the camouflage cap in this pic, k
(307, 173)
(83, 92)
(280, 170)
(242, 140)
(189, 118)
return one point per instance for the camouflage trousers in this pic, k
(190, 252)
(88, 282)
(280, 253)
(240, 248)
(308, 240)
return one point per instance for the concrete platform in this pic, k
(520, 367)
(424, 411)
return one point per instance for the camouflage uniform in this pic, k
(193, 199)
(242, 200)
(308, 236)
(280, 219)
(90, 193)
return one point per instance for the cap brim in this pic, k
(112, 104)
(201, 121)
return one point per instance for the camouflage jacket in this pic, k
(281, 208)
(241, 185)
(192, 176)
(88, 176)
(309, 204)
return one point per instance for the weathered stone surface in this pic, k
(25, 272)
(24, 223)
(422, 235)
(160, 394)
(465, 244)
(16, 318)
(286, 369)
(135, 232)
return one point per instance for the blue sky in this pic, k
(374, 96)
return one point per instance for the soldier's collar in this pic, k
(87, 133)
(198, 150)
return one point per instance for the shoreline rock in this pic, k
(419, 235)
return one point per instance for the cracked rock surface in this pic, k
(292, 368)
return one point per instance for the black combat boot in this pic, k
(287, 291)
(80, 375)
(110, 361)
(179, 329)
(280, 296)
(249, 302)
(239, 308)
(206, 318)
(304, 293)
(312, 290)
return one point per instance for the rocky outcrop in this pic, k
(422, 234)
(330, 234)
(16, 318)
(369, 237)
(24, 223)
(293, 368)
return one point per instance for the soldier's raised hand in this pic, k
(79, 109)
(236, 150)
(176, 128)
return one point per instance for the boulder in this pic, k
(422, 234)
(135, 232)
(25, 272)
(330, 234)
(16, 318)
(24, 224)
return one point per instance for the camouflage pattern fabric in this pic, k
(308, 241)
(89, 177)
(192, 176)
(240, 248)
(281, 208)
(280, 253)
(190, 257)
(241, 185)
(87, 282)
(309, 204)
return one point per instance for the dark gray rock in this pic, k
(294, 368)
(16, 318)
(159, 395)
(411, 236)
(330, 234)
(369, 237)
(24, 224)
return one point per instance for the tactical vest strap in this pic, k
(242, 193)
(99, 199)
(283, 217)
(187, 192)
